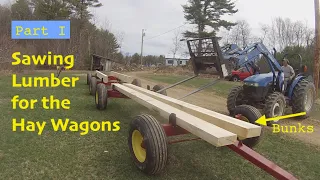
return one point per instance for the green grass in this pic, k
(105, 155)
(222, 88)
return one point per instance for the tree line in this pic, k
(283, 34)
(287, 36)
(86, 37)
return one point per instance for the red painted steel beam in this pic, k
(261, 161)
(173, 130)
(115, 94)
(183, 140)
(243, 150)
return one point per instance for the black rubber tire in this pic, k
(271, 101)
(155, 143)
(158, 87)
(235, 78)
(93, 86)
(298, 98)
(252, 114)
(88, 78)
(136, 82)
(101, 97)
(235, 98)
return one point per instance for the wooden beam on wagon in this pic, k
(102, 76)
(241, 128)
(122, 77)
(206, 131)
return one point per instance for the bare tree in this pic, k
(177, 44)
(120, 38)
(284, 32)
(241, 33)
(225, 37)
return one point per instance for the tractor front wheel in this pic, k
(235, 98)
(275, 106)
(148, 144)
(303, 98)
(249, 114)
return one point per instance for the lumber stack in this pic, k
(241, 128)
(102, 76)
(206, 131)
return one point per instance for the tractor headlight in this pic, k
(251, 84)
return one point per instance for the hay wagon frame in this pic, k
(148, 138)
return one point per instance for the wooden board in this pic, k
(241, 128)
(102, 76)
(206, 131)
(122, 77)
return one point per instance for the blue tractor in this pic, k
(267, 90)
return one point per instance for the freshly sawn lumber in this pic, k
(102, 76)
(241, 128)
(122, 77)
(205, 130)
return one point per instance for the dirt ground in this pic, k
(216, 103)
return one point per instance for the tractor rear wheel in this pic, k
(159, 87)
(249, 114)
(93, 86)
(101, 97)
(275, 106)
(88, 78)
(303, 98)
(136, 82)
(235, 98)
(148, 144)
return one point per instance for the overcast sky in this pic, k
(159, 16)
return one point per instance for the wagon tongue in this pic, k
(205, 54)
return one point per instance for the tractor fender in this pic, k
(293, 85)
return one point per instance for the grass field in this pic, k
(222, 89)
(105, 155)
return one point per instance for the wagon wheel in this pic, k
(159, 87)
(93, 86)
(148, 144)
(101, 97)
(88, 78)
(249, 114)
(136, 82)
